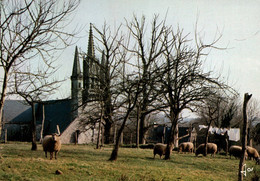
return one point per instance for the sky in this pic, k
(237, 21)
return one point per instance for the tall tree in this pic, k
(217, 110)
(130, 89)
(105, 71)
(209, 111)
(31, 28)
(229, 111)
(33, 87)
(253, 114)
(109, 73)
(185, 82)
(148, 50)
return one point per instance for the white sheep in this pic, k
(253, 153)
(236, 151)
(51, 143)
(186, 147)
(211, 148)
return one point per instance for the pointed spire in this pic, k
(76, 65)
(91, 51)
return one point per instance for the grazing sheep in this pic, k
(211, 148)
(51, 143)
(186, 147)
(159, 149)
(252, 153)
(236, 151)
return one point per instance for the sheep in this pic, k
(186, 147)
(252, 153)
(211, 148)
(159, 149)
(236, 151)
(51, 143)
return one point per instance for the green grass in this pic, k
(83, 162)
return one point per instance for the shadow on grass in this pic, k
(151, 158)
(82, 154)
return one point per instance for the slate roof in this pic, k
(17, 111)
(57, 112)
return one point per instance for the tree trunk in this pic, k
(170, 143)
(58, 129)
(2, 100)
(251, 142)
(241, 171)
(138, 127)
(114, 153)
(33, 128)
(102, 136)
(43, 118)
(176, 133)
(115, 132)
(207, 133)
(108, 127)
(207, 138)
(164, 134)
(206, 142)
(99, 131)
(226, 149)
(142, 129)
(107, 112)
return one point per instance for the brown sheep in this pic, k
(51, 143)
(159, 149)
(252, 153)
(236, 151)
(211, 148)
(186, 147)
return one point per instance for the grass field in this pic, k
(83, 162)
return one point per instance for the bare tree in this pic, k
(229, 110)
(252, 116)
(148, 57)
(256, 133)
(253, 113)
(130, 90)
(31, 28)
(102, 97)
(33, 87)
(108, 76)
(217, 110)
(209, 111)
(129, 87)
(185, 82)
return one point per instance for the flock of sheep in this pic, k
(52, 144)
(212, 149)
